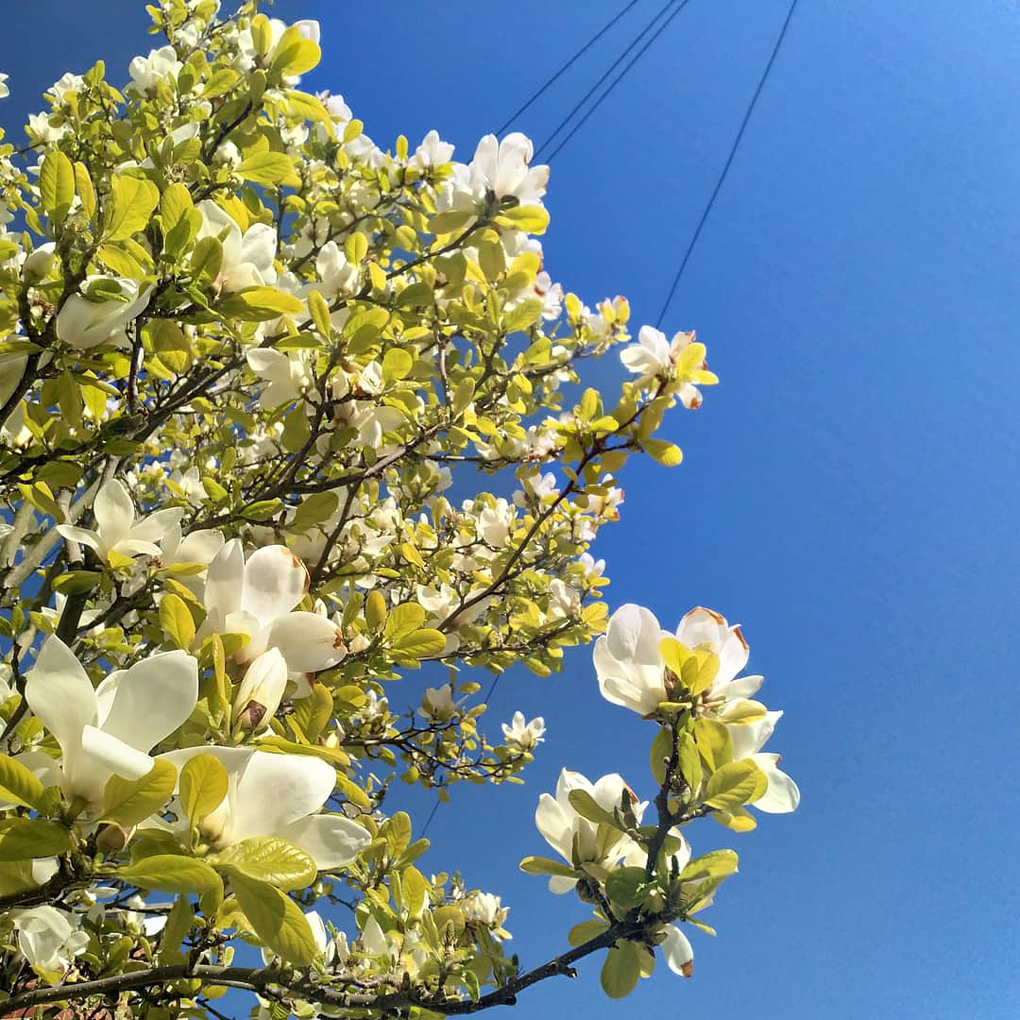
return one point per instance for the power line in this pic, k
(612, 67)
(616, 81)
(580, 53)
(729, 161)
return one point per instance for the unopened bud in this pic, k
(261, 690)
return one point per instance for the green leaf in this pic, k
(130, 801)
(588, 807)
(699, 670)
(403, 620)
(276, 919)
(415, 890)
(294, 54)
(660, 753)
(86, 191)
(131, 203)
(17, 783)
(626, 886)
(666, 453)
(176, 620)
(375, 611)
(268, 168)
(422, 644)
(174, 932)
(206, 260)
(77, 582)
(171, 873)
(174, 203)
(204, 784)
(23, 839)
(320, 313)
(621, 971)
(261, 304)
(544, 866)
(735, 784)
(449, 222)
(397, 363)
(532, 219)
(269, 859)
(56, 185)
(716, 864)
(715, 743)
(690, 762)
(585, 932)
(739, 713)
(526, 314)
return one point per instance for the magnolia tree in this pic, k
(248, 357)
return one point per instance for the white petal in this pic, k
(155, 527)
(111, 755)
(677, 952)
(333, 841)
(152, 699)
(264, 682)
(114, 512)
(554, 824)
(59, 693)
(308, 642)
(224, 583)
(751, 737)
(782, 795)
(79, 535)
(275, 581)
(276, 790)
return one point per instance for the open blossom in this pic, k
(47, 938)
(100, 315)
(524, 735)
(487, 908)
(146, 72)
(288, 373)
(632, 673)
(432, 152)
(654, 357)
(575, 838)
(110, 729)
(256, 598)
(278, 795)
(261, 691)
(5, 90)
(501, 169)
(116, 530)
(247, 257)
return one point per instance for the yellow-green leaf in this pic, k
(269, 859)
(17, 783)
(131, 204)
(276, 919)
(261, 304)
(23, 839)
(176, 620)
(130, 801)
(170, 873)
(56, 185)
(735, 784)
(204, 784)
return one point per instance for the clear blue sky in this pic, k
(848, 492)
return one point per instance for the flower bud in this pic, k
(261, 690)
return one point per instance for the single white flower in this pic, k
(4, 88)
(116, 529)
(247, 257)
(159, 64)
(289, 374)
(87, 321)
(501, 169)
(47, 939)
(575, 838)
(525, 736)
(438, 703)
(110, 729)
(256, 598)
(627, 660)
(782, 794)
(432, 152)
(654, 357)
(278, 795)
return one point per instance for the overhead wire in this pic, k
(612, 67)
(616, 81)
(728, 163)
(565, 67)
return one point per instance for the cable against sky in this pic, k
(728, 163)
(612, 67)
(580, 53)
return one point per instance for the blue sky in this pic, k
(848, 492)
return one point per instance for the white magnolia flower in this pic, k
(704, 628)
(569, 834)
(116, 530)
(524, 735)
(261, 691)
(501, 169)
(5, 90)
(147, 71)
(44, 131)
(47, 939)
(195, 547)
(627, 660)
(247, 257)
(66, 84)
(654, 357)
(289, 374)
(487, 908)
(438, 703)
(432, 152)
(87, 321)
(278, 795)
(110, 729)
(677, 951)
(256, 598)
(338, 276)
(782, 794)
